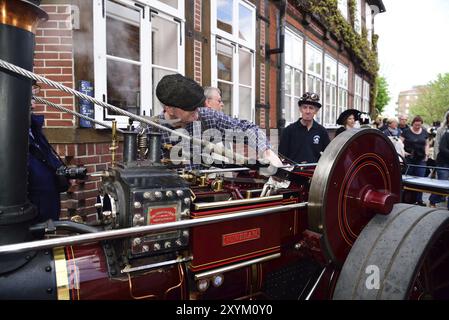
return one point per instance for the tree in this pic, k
(433, 103)
(383, 95)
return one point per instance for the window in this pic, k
(233, 61)
(293, 75)
(132, 51)
(314, 72)
(366, 99)
(358, 93)
(330, 91)
(358, 17)
(343, 79)
(369, 22)
(343, 7)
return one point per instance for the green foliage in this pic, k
(433, 103)
(330, 16)
(352, 9)
(382, 96)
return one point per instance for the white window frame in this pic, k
(332, 85)
(358, 17)
(343, 86)
(293, 107)
(343, 7)
(369, 22)
(101, 57)
(358, 91)
(165, 8)
(366, 96)
(313, 50)
(233, 39)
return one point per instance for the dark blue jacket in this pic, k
(42, 164)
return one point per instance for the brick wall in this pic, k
(197, 45)
(262, 66)
(197, 67)
(81, 196)
(54, 60)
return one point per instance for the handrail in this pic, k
(135, 231)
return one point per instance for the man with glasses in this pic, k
(305, 140)
(213, 99)
(402, 123)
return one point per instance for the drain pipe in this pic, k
(281, 65)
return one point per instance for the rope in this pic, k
(51, 104)
(218, 149)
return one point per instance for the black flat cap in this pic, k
(175, 90)
(345, 114)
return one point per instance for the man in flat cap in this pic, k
(184, 110)
(305, 140)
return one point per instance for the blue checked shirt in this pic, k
(243, 131)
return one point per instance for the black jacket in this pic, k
(302, 145)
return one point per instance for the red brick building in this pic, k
(262, 54)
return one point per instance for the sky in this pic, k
(413, 44)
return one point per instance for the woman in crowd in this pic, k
(392, 128)
(347, 120)
(416, 147)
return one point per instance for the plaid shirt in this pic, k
(209, 119)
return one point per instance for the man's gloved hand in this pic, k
(272, 160)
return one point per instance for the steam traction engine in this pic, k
(229, 233)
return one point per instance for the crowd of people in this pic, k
(186, 103)
(423, 151)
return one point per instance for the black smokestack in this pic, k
(17, 42)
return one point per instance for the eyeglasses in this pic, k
(308, 96)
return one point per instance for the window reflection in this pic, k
(123, 86)
(171, 3)
(124, 57)
(245, 67)
(226, 96)
(122, 39)
(224, 15)
(245, 23)
(245, 111)
(224, 63)
(164, 44)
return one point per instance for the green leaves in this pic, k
(433, 102)
(383, 95)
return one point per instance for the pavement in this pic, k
(425, 198)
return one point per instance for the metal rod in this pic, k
(428, 167)
(129, 269)
(129, 232)
(200, 172)
(236, 266)
(316, 284)
(230, 203)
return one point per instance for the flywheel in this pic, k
(357, 177)
(400, 256)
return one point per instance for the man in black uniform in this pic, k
(304, 140)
